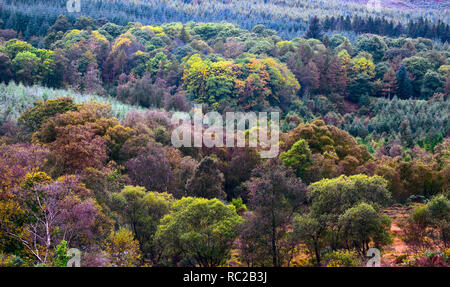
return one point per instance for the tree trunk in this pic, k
(317, 252)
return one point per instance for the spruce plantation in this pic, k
(88, 163)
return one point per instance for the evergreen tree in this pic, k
(5, 68)
(404, 90)
(389, 83)
(314, 29)
(184, 35)
(62, 24)
(336, 76)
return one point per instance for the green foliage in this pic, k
(417, 66)
(33, 118)
(432, 83)
(404, 83)
(109, 146)
(344, 213)
(16, 99)
(14, 47)
(314, 29)
(200, 231)
(239, 205)
(331, 197)
(143, 211)
(360, 87)
(26, 67)
(250, 82)
(310, 231)
(298, 157)
(342, 258)
(373, 45)
(414, 120)
(439, 208)
(422, 222)
(123, 249)
(61, 255)
(362, 224)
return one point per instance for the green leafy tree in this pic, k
(33, 118)
(373, 45)
(363, 224)
(123, 249)
(432, 83)
(142, 211)
(275, 194)
(330, 199)
(61, 255)
(14, 47)
(359, 87)
(343, 258)
(310, 232)
(199, 231)
(417, 66)
(438, 210)
(26, 67)
(298, 157)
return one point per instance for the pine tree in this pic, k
(5, 68)
(314, 29)
(336, 76)
(404, 90)
(184, 35)
(389, 83)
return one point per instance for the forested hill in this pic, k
(406, 4)
(349, 85)
(288, 18)
(364, 136)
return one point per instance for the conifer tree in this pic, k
(404, 89)
(389, 83)
(184, 35)
(314, 29)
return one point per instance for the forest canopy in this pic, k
(86, 159)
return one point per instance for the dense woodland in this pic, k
(289, 18)
(86, 159)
